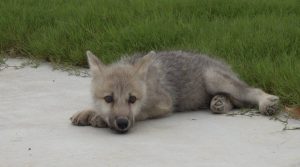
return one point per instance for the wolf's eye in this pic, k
(132, 99)
(108, 99)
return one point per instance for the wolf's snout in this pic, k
(122, 123)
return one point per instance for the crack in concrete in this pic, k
(282, 117)
(71, 70)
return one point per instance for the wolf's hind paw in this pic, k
(269, 106)
(220, 104)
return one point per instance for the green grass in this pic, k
(259, 38)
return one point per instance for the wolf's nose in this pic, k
(122, 123)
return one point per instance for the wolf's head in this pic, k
(119, 90)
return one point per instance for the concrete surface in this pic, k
(35, 131)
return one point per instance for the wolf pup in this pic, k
(141, 87)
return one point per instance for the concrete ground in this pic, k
(35, 131)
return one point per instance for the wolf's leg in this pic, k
(87, 118)
(241, 95)
(220, 104)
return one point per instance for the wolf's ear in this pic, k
(95, 64)
(143, 64)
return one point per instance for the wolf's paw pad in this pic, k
(220, 104)
(270, 106)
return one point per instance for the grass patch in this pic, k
(259, 38)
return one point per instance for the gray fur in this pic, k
(170, 81)
(182, 75)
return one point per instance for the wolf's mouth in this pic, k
(121, 131)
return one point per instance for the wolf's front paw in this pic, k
(82, 118)
(86, 118)
(270, 105)
(97, 121)
(220, 104)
